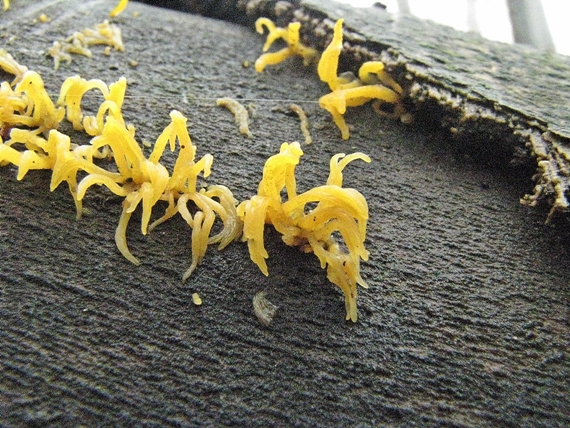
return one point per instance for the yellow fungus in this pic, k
(181, 188)
(40, 110)
(347, 91)
(291, 36)
(328, 64)
(72, 91)
(119, 8)
(373, 81)
(141, 181)
(59, 54)
(104, 33)
(11, 66)
(240, 113)
(274, 33)
(6, 4)
(27, 114)
(337, 101)
(338, 210)
(372, 72)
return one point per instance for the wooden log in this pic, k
(466, 319)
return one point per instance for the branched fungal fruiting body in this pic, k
(28, 104)
(28, 113)
(373, 83)
(294, 46)
(338, 210)
(79, 42)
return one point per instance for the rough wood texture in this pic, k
(507, 100)
(511, 102)
(466, 321)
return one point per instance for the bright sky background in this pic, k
(492, 17)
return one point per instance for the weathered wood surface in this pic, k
(465, 322)
(510, 102)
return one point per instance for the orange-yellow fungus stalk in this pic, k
(328, 64)
(373, 83)
(119, 8)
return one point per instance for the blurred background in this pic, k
(540, 23)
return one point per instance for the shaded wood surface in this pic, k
(465, 322)
(510, 102)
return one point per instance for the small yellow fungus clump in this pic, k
(79, 42)
(119, 8)
(102, 34)
(373, 83)
(291, 36)
(338, 210)
(6, 4)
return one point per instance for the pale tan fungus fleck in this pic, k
(304, 122)
(264, 310)
(196, 299)
(240, 113)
